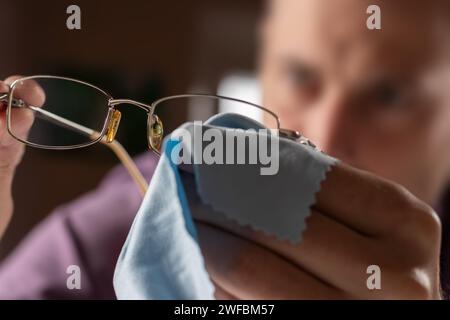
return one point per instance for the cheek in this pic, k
(286, 107)
(438, 138)
(388, 156)
(408, 157)
(276, 95)
(436, 149)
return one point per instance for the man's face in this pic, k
(376, 99)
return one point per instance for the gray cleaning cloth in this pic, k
(276, 204)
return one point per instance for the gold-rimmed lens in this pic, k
(56, 112)
(172, 112)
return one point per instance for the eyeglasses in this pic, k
(71, 114)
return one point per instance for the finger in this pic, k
(248, 271)
(21, 119)
(29, 91)
(332, 252)
(367, 203)
(3, 89)
(222, 294)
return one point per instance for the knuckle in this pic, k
(12, 78)
(415, 290)
(401, 198)
(409, 214)
(414, 230)
(428, 220)
(396, 203)
(3, 87)
(412, 283)
(424, 223)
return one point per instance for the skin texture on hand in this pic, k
(6, 203)
(11, 150)
(359, 220)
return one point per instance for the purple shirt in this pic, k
(89, 232)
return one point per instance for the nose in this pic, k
(331, 126)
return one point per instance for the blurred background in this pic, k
(139, 49)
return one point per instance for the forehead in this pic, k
(333, 34)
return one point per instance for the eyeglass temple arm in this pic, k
(114, 145)
(127, 162)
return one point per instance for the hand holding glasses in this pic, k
(73, 114)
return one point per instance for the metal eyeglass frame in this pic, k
(107, 135)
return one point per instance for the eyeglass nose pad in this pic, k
(155, 132)
(113, 125)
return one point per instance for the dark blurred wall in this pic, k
(149, 49)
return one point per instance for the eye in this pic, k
(302, 82)
(299, 77)
(389, 95)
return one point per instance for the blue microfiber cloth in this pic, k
(161, 258)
